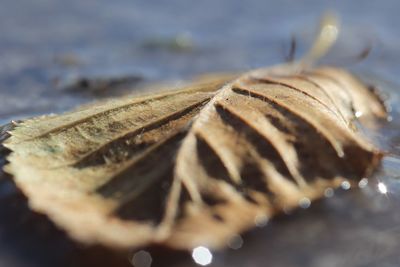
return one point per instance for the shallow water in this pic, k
(46, 44)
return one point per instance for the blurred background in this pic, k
(47, 46)
(55, 55)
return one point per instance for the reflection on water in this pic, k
(382, 188)
(345, 185)
(202, 256)
(236, 242)
(304, 203)
(329, 192)
(261, 220)
(363, 183)
(141, 259)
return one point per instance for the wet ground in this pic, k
(55, 55)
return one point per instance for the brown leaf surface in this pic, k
(197, 165)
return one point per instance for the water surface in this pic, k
(46, 45)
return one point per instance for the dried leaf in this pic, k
(197, 165)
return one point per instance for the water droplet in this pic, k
(329, 192)
(261, 220)
(382, 188)
(363, 183)
(202, 256)
(358, 114)
(235, 242)
(346, 185)
(304, 203)
(330, 32)
(141, 259)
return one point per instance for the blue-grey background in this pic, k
(47, 45)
